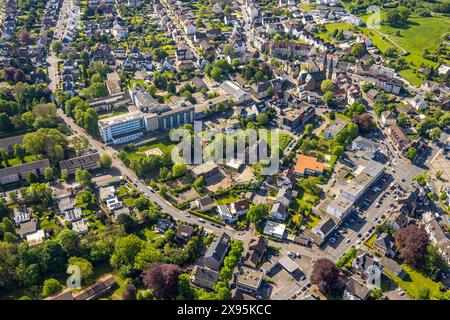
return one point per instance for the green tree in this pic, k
(435, 133)
(179, 170)
(19, 152)
(32, 178)
(125, 252)
(105, 161)
(51, 287)
(56, 46)
(327, 85)
(49, 174)
(83, 177)
(358, 50)
(262, 119)
(69, 242)
(86, 269)
(411, 153)
(258, 213)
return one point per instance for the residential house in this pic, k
(325, 226)
(162, 225)
(398, 137)
(80, 227)
(203, 277)
(355, 290)
(248, 280)
(204, 204)
(254, 251)
(279, 212)
(20, 172)
(21, 214)
(388, 118)
(274, 229)
(393, 267)
(27, 228)
(397, 220)
(214, 255)
(284, 196)
(239, 207)
(419, 103)
(437, 235)
(384, 245)
(365, 265)
(334, 128)
(361, 143)
(185, 232)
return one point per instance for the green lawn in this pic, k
(228, 199)
(415, 283)
(334, 26)
(371, 240)
(15, 161)
(165, 145)
(284, 139)
(151, 235)
(419, 34)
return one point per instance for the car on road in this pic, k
(188, 216)
(201, 220)
(359, 235)
(347, 240)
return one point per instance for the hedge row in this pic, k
(206, 217)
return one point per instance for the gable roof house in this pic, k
(437, 235)
(364, 265)
(27, 228)
(284, 196)
(326, 225)
(204, 204)
(279, 212)
(204, 277)
(355, 290)
(214, 255)
(185, 232)
(397, 220)
(384, 245)
(162, 225)
(255, 251)
(398, 136)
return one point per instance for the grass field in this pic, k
(165, 145)
(419, 34)
(334, 26)
(416, 284)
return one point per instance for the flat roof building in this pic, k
(307, 165)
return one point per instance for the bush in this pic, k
(206, 217)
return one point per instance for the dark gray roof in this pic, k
(11, 141)
(80, 162)
(385, 241)
(26, 167)
(218, 247)
(357, 289)
(204, 277)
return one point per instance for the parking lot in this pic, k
(373, 208)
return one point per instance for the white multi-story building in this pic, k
(122, 128)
